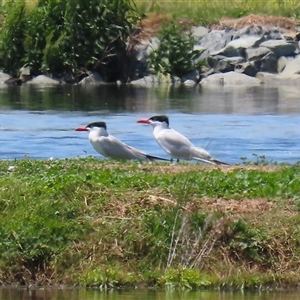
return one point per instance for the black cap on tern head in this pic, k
(97, 124)
(161, 118)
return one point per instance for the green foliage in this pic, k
(65, 36)
(182, 278)
(175, 54)
(11, 38)
(248, 242)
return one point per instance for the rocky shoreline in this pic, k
(253, 54)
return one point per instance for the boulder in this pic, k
(93, 78)
(199, 32)
(230, 78)
(43, 80)
(269, 63)
(216, 40)
(256, 53)
(247, 68)
(237, 47)
(4, 77)
(292, 67)
(280, 47)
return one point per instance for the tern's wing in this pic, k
(116, 149)
(175, 144)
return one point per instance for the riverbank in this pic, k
(105, 224)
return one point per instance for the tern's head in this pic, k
(93, 126)
(156, 120)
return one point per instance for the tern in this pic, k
(175, 144)
(109, 146)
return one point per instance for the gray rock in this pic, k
(92, 79)
(43, 80)
(216, 40)
(230, 79)
(269, 63)
(247, 68)
(152, 80)
(199, 32)
(189, 82)
(256, 53)
(281, 63)
(254, 30)
(277, 79)
(237, 47)
(193, 76)
(3, 77)
(292, 67)
(224, 64)
(280, 47)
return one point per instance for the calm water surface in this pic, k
(231, 123)
(77, 294)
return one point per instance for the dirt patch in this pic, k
(258, 206)
(283, 23)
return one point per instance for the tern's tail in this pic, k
(218, 162)
(153, 158)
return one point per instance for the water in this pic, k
(231, 123)
(85, 294)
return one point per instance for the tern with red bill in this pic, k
(109, 146)
(176, 144)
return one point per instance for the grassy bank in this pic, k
(207, 12)
(108, 224)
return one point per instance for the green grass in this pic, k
(106, 224)
(205, 12)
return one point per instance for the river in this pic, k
(89, 294)
(233, 124)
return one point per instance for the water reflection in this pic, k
(87, 294)
(113, 98)
(229, 122)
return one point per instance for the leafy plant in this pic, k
(175, 54)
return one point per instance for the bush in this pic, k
(65, 36)
(175, 54)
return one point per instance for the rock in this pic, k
(280, 47)
(193, 76)
(269, 63)
(277, 79)
(224, 64)
(247, 68)
(292, 67)
(230, 78)
(4, 77)
(254, 30)
(13, 81)
(216, 40)
(152, 80)
(228, 64)
(256, 53)
(237, 47)
(25, 74)
(43, 80)
(281, 63)
(189, 82)
(93, 78)
(199, 32)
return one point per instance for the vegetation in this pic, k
(105, 224)
(68, 38)
(208, 12)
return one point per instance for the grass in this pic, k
(107, 224)
(206, 12)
